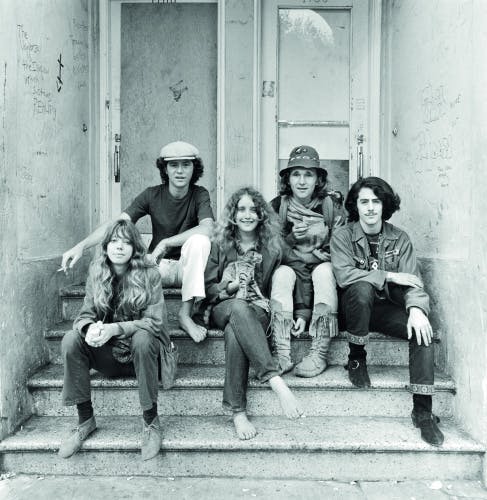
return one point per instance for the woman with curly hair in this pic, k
(245, 252)
(119, 332)
(308, 213)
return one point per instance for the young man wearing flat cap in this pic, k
(182, 221)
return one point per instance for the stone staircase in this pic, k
(348, 434)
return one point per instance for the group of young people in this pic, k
(262, 274)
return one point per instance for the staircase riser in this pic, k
(71, 306)
(261, 402)
(289, 464)
(212, 352)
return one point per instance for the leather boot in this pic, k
(281, 324)
(320, 329)
(428, 423)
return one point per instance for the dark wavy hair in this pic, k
(268, 229)
(138, 281)
(319, 191)
(390, 200)
(198, 169)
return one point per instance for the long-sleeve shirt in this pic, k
(350, 254)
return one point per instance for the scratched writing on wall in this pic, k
(35, 75)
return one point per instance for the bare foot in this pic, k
(289, 404)
(243, 427)
(196, 332)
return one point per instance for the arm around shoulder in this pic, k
(71, 256)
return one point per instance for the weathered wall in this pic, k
(434, 94)
(239, 87)
(45, 189)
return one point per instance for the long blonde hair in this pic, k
(268, 229)
(137, 282)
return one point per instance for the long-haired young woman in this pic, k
(118, 331)
(245, 252)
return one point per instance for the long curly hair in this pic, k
(390, 200)
(137, 282)
(198, 169)
(268, 229)
(320, 188)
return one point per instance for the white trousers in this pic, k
(189, 271)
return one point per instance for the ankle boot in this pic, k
(281, 324)
(323, 324)
(428, 424)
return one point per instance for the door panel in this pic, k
(168, 90)
(317, 61)
(313, 64)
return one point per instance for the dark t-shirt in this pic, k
(170, 216)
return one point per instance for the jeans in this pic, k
(189, 271)
(244, 325)
(79, 358)
(364, 311)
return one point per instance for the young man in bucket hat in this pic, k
(182, 221)
(308, 213)
(381, 289)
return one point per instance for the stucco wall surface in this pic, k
(434, 86)
(239, 87)
(44, 178)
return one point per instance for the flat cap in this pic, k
(179, 150)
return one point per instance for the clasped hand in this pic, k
(99, 334)
(315, 230)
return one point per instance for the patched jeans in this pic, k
(79, 358)
(363, 312)
(244, 325)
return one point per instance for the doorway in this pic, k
(318, 88)
(162, 78)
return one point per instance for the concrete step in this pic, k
(198, 391)
(382, 350)
(324, 448)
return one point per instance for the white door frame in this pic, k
(371, 146)
(109, 101)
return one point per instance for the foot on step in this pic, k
(289, 403)
(196, 332)
(243, 427)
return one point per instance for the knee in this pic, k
(71, 343)
(197, 243)
(323, 274)
(283, 277)
(143, 343)
(360, 293)
(240, 309)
